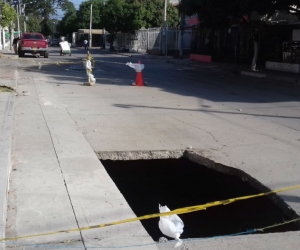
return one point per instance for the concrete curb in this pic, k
(10, 79)
(145, 56)
(5, 161)
(8, 54)
(291, 80)
(183, 63)
(253, 74)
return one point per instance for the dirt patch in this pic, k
(6, 89)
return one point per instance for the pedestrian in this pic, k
(86, 44)
(15, 44)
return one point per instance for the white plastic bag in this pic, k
(136, 66)
(171, 225)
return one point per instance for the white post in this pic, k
(91, 16)
(147, 40)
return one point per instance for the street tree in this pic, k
(34, 24)
(68, 24)
(9, 15)
(68, 7)
(121, 16)
(47, 28)
(153, 13)
(83, 14)
(43, 8)
(219, 14)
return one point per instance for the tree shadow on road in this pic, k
(208, 83)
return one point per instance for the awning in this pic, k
(94, 31)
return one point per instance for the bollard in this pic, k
(138, 67)
(89, 64)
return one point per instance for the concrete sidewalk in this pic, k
(57, 182)
(8, 78)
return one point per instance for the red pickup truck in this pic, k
(33, 43)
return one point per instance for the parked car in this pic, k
(55, 42)
(33, 43)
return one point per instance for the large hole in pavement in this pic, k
(180, 183)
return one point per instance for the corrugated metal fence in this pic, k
(150, 40)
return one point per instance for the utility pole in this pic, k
(18, 13)
(23, 12)
(164, 31)
(91, 16)
(1, 32)
(103, 29)
(165, 11)
(182, 24)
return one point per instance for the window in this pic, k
(33, 37)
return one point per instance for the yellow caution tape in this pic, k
(150, 216)
(277, 225)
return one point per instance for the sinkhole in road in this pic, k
(180, 183)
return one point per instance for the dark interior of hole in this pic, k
(181, 183)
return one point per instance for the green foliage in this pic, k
(114, 15)
(83, 14)
(68, 7)
(153, 12)
(68, 24)
(117, 15)
(33, 24)
(43, 8)
(46, 27)
(8, 15)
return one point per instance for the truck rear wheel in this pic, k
(46, 55)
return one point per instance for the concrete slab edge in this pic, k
(5, 162)
(183, 63)
(253, 74)
(139, 155)
(200, 158)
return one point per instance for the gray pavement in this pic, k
(8, 78)
(275, 77)
(58, 183)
